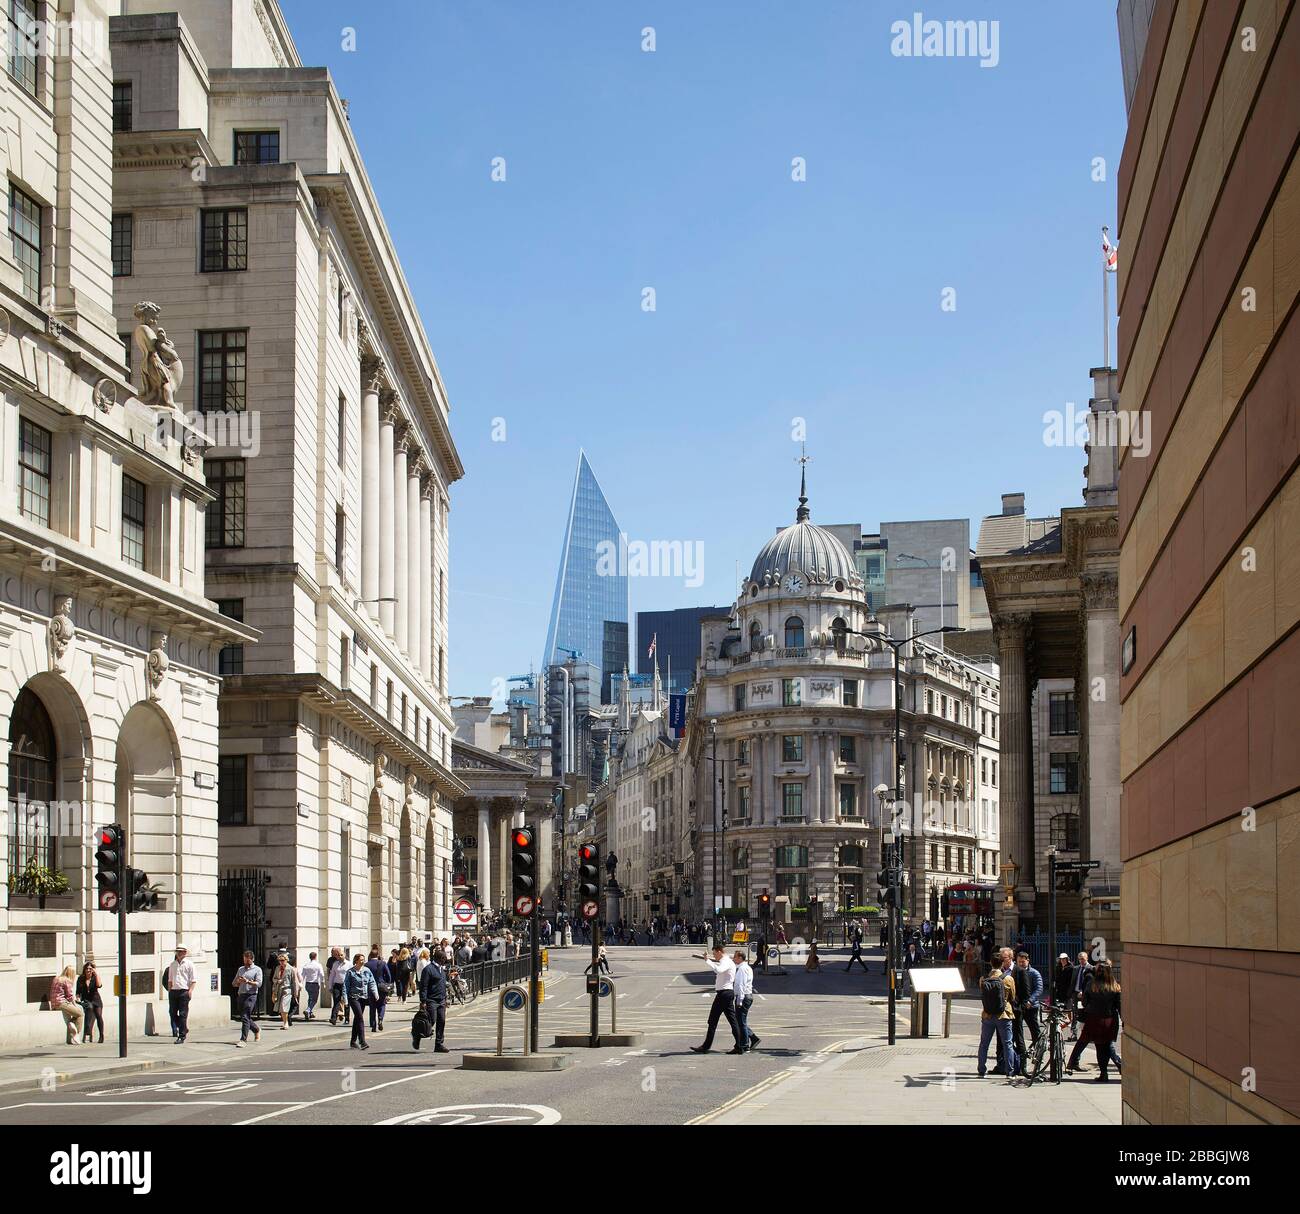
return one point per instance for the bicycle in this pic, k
(1046, 1058)
(458, 990)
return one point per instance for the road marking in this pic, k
(310, 1104)
(142, 1104)
(771, 1081)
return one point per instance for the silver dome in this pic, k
(804, 546)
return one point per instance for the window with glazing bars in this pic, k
(224, 240)
(223, 370)
(34, 472)
(123, 239)
(231, 658)
(25, 232)
(133, 500)
(257, 147)
(225, 516)
(121, 105)
(23, 43)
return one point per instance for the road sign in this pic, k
(513, 1000)
(589, 910)
(604, 989)
(464, 912)
(1075, 866)
(774, 952)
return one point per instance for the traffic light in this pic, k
(523, 871)
(110, 855)
(589, 880)
(764, 906)
(459, 869)
(141, 896)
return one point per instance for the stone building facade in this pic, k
(241, 200)
(108, 646)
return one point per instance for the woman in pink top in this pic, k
(63, 998)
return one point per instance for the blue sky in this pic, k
(774, 299)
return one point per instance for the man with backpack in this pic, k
(998, 1000)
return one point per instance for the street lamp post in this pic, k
(718, 918)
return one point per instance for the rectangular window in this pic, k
(1063, 714)
(850, 693)
(223, 370)
(929, 701)
(231, 658)
(122, 117)
(738, 697)
(993, 767)
(24, 41)
(742, 751)
(1064, 773)
(345, 877)
(984, 770)
(742, 803)
(340, 538)
(792, 800)
(133, 501)
(224, 523)
(123, 239)
(257, 147)
(792, 748)
(848, 748)
(25, 233)
(126, 352)
(848, 801)
(34, 472)
(791, 692)
(345, 661)
(343, 431)
(374, 684)
(224, 240)
(388, 706)
(232, 790)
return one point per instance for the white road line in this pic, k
(309, 1104)
(140, 1104)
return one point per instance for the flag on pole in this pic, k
(654, 642)
(1109, 252)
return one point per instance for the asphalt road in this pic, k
(663, 991)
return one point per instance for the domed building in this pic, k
(794, 710)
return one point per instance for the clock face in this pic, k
(793, 583)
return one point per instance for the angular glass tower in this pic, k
(590, 611)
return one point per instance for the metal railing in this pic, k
(484, 976)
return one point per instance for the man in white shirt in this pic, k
(312, 976)
(724, 999)
(181, 981)
(743, 993)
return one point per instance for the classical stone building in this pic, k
(797, 705)
(241, 200)
(1051, 586)
(1209, 567)
(108, 645)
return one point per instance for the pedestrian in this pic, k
(92, 1003)
(63, 998)
(912, 957)
(1080, 981)
(247, 984)
(1101, 1022)
(312, 977)
(603, 961)
(180, 981)
(361, 991)
(856, 955)
(337, 972)
(285, 986)
(724, 999)
(1029, 998)
(383, 987)
(997, 999)
(433, 999)
(743, 996)
(814, 962)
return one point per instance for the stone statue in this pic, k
(410, 789)
(62, 632)
(156, 665)
(381, 761)
(161, 370)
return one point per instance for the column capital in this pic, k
(428, 487)
(1100, 590)
(372, 371)
(388, 405)
(402, 440)
(1012, 630)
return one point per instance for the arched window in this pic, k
(755, 636)
(839, 634)
(33, 758)
(794, 633)
(851, 856)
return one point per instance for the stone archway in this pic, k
(146, 795)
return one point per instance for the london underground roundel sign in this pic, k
(463, 911)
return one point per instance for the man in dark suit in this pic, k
(433, 998)
(1080, 982)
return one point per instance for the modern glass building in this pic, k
(678, 645)
(590, 614)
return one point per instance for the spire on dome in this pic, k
(802, 514)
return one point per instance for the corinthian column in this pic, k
(402, 571)
(426, 579)
(416, 590)
(387, 521)
(1015, 800)
(484, 855)
(370, 370)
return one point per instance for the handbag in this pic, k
(385, 989)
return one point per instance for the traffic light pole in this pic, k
(122, 899)
(595, 973)
(534, 985)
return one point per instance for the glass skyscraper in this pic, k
(590, 611)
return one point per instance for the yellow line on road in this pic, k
(762, 1086)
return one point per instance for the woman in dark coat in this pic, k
(91, 1001)
(1101, 1020)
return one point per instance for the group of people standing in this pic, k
(78, 998)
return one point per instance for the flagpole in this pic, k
(1105, 316)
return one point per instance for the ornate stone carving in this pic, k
(381, 761)
(409, 797)
(1100, 590)
(161, 370)
(1011, 631)
(5, 326)
(61, 633)
(105, 394)
(156, 664)
(372, 371)
(389, 411)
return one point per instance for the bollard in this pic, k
(518, 997)
(606, 989)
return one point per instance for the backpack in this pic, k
(421, 1026)
(993, 995)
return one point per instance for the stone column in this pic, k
(1015, 794)
(815, 812)
(485, 855)
(503, 856)
(426, 579)
(387, 421)
(370, 371)
(1099, 719)
(401, 554)
(416, 587)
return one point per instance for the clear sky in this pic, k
(774, 299)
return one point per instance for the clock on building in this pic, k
(794, 583)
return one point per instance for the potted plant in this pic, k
(36, 881)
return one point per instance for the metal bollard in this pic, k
(519, 993)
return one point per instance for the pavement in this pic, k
(823, 1058)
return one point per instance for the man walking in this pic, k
(312, 976)
(181, 981)
(724, 997)
(856, 955)
(1080, 981)
(433, 998)
(248, 983)
(338, 970)
(743, 995)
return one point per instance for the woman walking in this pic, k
(1101, 1020)
(360, 991)
(383, 977)
(285, 987)
(92, 1003)
(63, 997)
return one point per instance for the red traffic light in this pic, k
(523, 838)
(586, 853)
